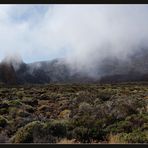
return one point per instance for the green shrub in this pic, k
(4, 111)
(105, 95)
(30, 101)
(20, 94)
(97, 134)
(119, 127)
(138, 120)
(25, 134)
(15, 102)
(81, 134)
(135, 137)
(51, 132)
(57, 128)
(43, 135)
(29, 108)
(22, 113)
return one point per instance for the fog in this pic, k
(84, 35)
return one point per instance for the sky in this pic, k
(83, 34)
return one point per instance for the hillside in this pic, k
(110, 70)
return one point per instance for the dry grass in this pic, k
(73, 141)
(115, 139)
(66, 141)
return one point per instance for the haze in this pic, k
(82, 34)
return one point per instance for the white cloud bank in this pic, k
(84, 34)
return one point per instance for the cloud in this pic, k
(84, 34)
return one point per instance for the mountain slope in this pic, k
(134, 68)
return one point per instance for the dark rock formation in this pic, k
(134, 68)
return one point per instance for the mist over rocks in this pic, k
(111, 70)
(7, 73)
(75, 43)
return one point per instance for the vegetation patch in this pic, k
(74, 113)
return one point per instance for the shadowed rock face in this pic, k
(48, 72)
(134, 68)
(7, 74)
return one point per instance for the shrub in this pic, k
(135, 137)
(119, 127)
(29, 108)
(15, 102)
(105, 95)
(3, 121)
(138, 120)
(123, 107)
(4, 111)
(81, 134)
(13, 111)
(97, 134)
(3, 137)
(85, 107)
(51, 132)
(22, 113)
(44, 108)
(42, 135)
(25, 134)
(30, 101)
(65, 114)
(20, 94)
(57, 128)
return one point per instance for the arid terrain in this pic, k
(74, 113)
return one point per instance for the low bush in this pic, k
(56, 128)
(3, 121)
(81, 134)
(25, 134)
(135, 137)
